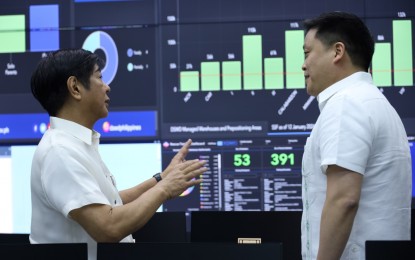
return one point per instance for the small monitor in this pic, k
(45, 251)
(6, 238)
(268, 226)
(163, 227)
(387, 249)
(188, 251)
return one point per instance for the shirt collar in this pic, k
(78, 131)
(347, 82)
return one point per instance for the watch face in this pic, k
(157, 176)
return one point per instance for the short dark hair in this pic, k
(48, 82)
(346, 28)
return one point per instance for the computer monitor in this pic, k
(388, 249)
(45, 251)
(268, 226)
(189, 251)
(6, 238)
(163, 227)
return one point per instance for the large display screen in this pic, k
(130, 163)
(249, 174)
(127, 43)
(226, 73)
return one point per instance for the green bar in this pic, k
(210, 75)
(294, 58)
(12, 33)
(382, 65)
(189, 81)
(402, 53)
(274, 72)
(252, 61)
(231, 75)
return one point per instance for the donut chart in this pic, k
(102, 40)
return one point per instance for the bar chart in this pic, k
(44, 33)
(253, 71)
(392, 63)
(28, 29)
(268, 56)
(243, 62)
(253, 67)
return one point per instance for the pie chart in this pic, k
(103, 41)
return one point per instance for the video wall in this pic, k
(225, 73)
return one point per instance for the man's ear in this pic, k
(74, 87)
(340, 50)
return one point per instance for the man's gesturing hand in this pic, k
(181, 176)
(178, 158)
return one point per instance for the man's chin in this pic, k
(104, 115)
(309, 91)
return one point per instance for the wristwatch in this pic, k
(157, 176)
